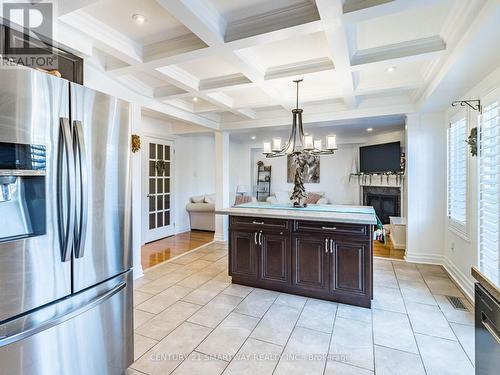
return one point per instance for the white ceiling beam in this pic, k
(137, 85)
(68, 6)
(229, 80)
(104, 37)
(169, 92)
(407, 50)
(369, 9)
(331, 13)
(200, 16)
(302, 67)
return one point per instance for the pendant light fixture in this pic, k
(299, 143)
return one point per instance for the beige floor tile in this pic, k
(141, 317)
(393, 330)
(195, 280)
(172, 350)
(164, 282)
(198, 364)
(354, 313)
(141, 282)
(431, 270)
(160, 270)
(255, 358)
(140, 297)
(197, 265)
(215, 311)
(442, 286)
(237, 290)
(318, 315)
(453, 315)
(165, 322)
(352, 340)
(416, 292)
(215, 255)
(382, 264)
(465, 335)
(443, 357)
(206, 292)
(277, 324)
(291, 300)
(296, 358)
(131, 371)
(257, 302)
(163, 300)
(392, 362)
(429, 320)
(141, 345)
(388, 299)
(225, 341)
(386, 278)
(339, 368)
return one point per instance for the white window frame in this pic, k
(486, 101)
(459, 228)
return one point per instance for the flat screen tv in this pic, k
(380, 158)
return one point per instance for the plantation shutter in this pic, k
(457, 173)
(489, 189)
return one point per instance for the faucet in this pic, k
(5, 187)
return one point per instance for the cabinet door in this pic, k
(310, 263)
(275, 258)
(350, 267)
(243, 253)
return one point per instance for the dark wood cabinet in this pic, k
(274, 258)
(310, 263)
(243, 256)
(321, 260)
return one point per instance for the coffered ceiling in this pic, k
(232, 62)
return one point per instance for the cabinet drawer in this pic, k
(259, 223)
(332, 228)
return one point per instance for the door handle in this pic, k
(258, 222)
(82, 214)
(331, 246)
(260, 238)
(255, 238)
(493, 332)
(326, 245)
(66, 225)
(329, 228)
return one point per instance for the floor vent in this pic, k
(457, 303)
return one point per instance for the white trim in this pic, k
(183, 229)
(463, 282)
(425, 258)
(219, 237)
(137, 271)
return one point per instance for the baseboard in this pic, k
(219, 237)
(137, 271)
(424, 258)
(182, 229)
(463, 282)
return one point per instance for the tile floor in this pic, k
(190, 319)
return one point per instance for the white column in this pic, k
(135, 120)
(221, 183)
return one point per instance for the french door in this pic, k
(157, 189)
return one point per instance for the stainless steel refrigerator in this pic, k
(65, 228)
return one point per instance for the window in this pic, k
(489, 192)
(457, 174)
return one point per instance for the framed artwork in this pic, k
(311, 169)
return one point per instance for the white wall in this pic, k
(334, 169)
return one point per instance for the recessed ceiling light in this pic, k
(369, 129)
(390, 69)
(253, 137)
(139, 18)
(195, 99)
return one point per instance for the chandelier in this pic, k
(298, 143)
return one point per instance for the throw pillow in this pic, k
(199, 199)
(209, 200)
(312, 198)
(240, 199)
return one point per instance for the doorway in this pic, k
(157, 188)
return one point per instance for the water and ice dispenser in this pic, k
(22, 190)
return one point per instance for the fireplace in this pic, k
(385, 200)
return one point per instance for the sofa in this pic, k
(201, 211)
(283, 197)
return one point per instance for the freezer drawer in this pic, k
(487, 333)
(88, 333)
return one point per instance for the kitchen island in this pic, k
(322, 251)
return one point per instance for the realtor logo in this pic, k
(28, 26)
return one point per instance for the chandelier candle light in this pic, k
(299, 143)
(299, 146)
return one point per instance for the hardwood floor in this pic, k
(387, 251)
(159, 251)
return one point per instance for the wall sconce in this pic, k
(136, 143)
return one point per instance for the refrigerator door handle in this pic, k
(82, 176)
(66, 224)
(22, 333)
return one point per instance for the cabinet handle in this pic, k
(255, 238)
(260, 238)
(258, 222)
(329, 228)
(331, 246)
(489, 327)
(326, 245)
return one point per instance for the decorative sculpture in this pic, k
(136, 143)
(299, 191)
